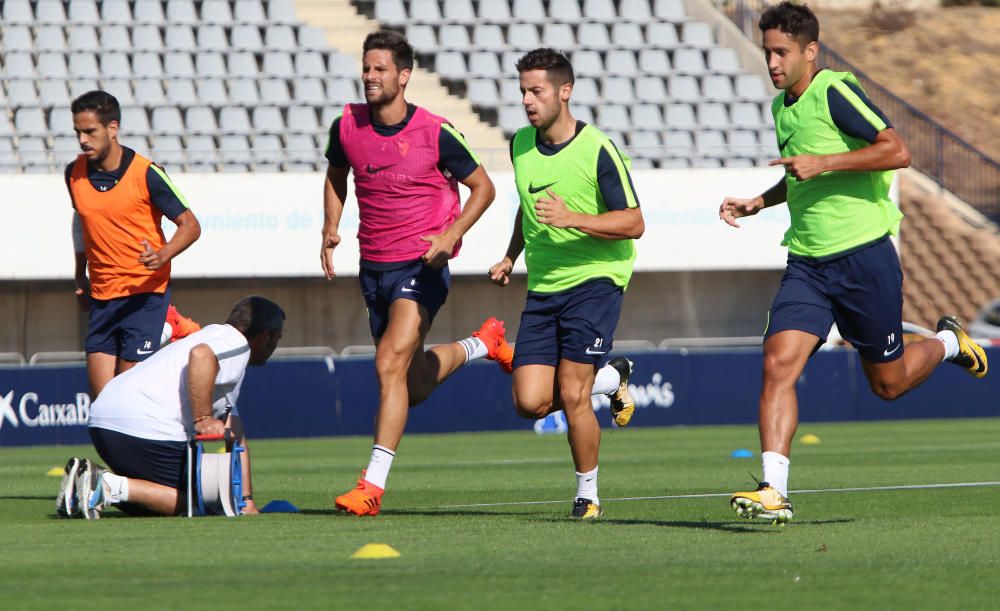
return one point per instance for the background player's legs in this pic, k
(890, 380)
(101, 368)
(575, 381)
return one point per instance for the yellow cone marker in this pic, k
(221, 450)
(375, 551)
(56, 472)
(809, 439)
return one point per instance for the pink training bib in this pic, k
(402, 195)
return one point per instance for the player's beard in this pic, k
(383, 98)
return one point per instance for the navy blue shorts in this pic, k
(862, 291)
(414, 281)
(577, 324)
(127, 327)
(161, 462)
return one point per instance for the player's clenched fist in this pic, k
(733, 208)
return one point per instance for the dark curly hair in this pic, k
(796, 20)
(555, 63)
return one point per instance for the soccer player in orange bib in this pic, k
(122, 256)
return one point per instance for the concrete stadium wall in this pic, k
(695, 276)
(40, 316)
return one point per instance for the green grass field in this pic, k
(880, 549)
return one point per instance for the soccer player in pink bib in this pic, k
(407, 164)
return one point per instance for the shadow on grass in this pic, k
(28, 498)
(725, 526)
(728, 526)
(423, 512)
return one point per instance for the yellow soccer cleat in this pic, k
(970, 354)
(585, 509)
(765, 503)
(622, 403)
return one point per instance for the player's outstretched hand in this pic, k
(330, 241)
(440, 249)
(152, 259)
(802, 167)
(552, 211)
(733, 208)
(500, 272)
(210, 426)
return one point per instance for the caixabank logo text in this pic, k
(31, 410)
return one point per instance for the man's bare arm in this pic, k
(334, 195)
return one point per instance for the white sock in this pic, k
(606, 381)
(775, 468)
(950, 344)
(379, 465)
(115, 487)
(474, 348)
(586, 486)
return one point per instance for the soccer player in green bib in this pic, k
(838, 151)
(578, 218)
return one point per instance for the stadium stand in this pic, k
(939, 237)
(637, 60)
(192, 73)
(189, 75)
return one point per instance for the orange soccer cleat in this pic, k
(363, 500)
(181, 326)
(492, 334)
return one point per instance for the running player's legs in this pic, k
(428, 289)
(575, 381)
(586, 329)
(867, 294)
(141, 328)
(536, 355)
(408, 374)
(407, 324)
(103, 343)
(799, 320)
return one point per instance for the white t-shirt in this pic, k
(150, 401)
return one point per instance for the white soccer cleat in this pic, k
(66, 506)
(91, 496)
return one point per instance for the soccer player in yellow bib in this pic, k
(577, 221)
(838, 150)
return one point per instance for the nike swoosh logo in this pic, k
(375, 170)
(887, 352)
(589, 351)
(781, 147)
(143, 351)
(534, 190)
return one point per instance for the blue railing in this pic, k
(935, 150)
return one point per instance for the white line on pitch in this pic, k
(499, 462)
(721, 494)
